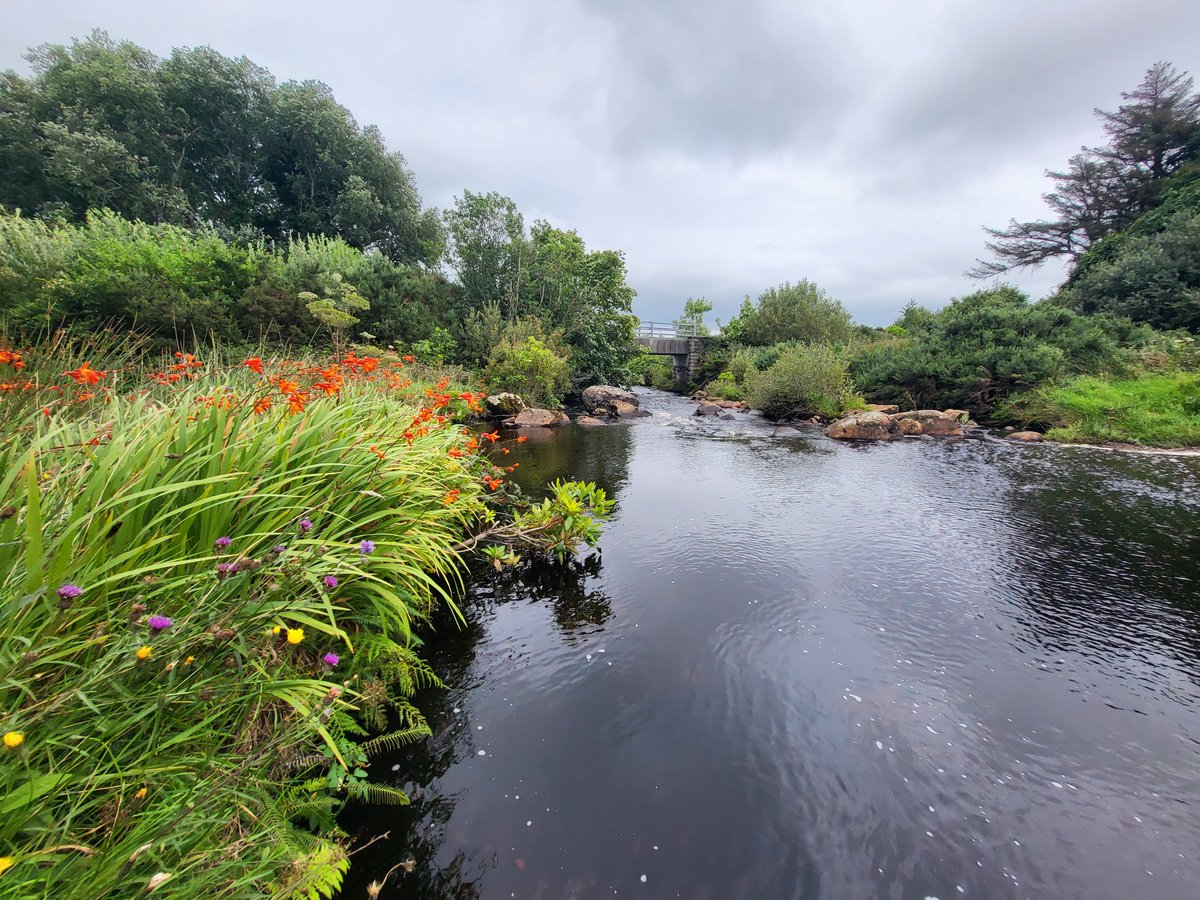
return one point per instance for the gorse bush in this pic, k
(985, 347)
(212, 580)
(806, 380)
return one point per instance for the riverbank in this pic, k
(212, 575)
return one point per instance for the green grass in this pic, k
(1153, 410)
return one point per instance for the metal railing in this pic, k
(667, 329)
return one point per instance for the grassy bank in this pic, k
(1151, 410)
(211, 578)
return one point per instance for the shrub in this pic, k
(530, 363)
(724, 386)
(790, 312)
(806, 380)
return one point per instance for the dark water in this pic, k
(808, 669)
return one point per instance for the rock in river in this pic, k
(1027, 437)
(868, 426)
(539, 418)
(503, 405)
(602, 399)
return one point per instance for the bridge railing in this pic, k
(667, 329)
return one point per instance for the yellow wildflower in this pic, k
(188, 661)
(13, 739)
(6, 863)
(276, 630)
(295, 635)
(140, 794)
(143, 653)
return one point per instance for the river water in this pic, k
(801, 668)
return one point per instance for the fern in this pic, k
(395, 739)
(379, 794)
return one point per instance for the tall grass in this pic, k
(1153, 409)
(205, 598)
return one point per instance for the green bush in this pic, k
(725, 387)
(530, 363)
(790, 312)
(806, 380)
(985, 347)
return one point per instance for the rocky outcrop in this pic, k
(887, 408)
(877, 425)
(503, 405)
(785, 431)
(1025, 437)
(867, 426)
(590, 421)
(707, 409)
(932, 421)
(602, 399)
(539, 418)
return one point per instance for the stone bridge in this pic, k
(679, 341)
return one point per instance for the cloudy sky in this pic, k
(723, 145)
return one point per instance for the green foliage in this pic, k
(984, 347)
(335, 306)
(202, 137)
(790, 312)
(806, 380)
(568, 518)
(531, 363)
(694, 310)
(725, 386)
(437, 349)
(654, 371)
(1149, 272)
(1155, 410)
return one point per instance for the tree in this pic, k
(1106, 188)
(486, 248)
(202, 137)
(694, 310)
(790, 312)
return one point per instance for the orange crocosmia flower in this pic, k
(84, 395)
(94, 442)
(297, 402)
(451, 496)
(287, 387)
(262, 405)
(329, 387)
(409, 358)
(254, 364)
(505, 451)
(493, 483)
(473, 444)
(466, 395)
(522, 439)
(378, 452)
(455, 452)
(491, 436)
(512, 468)
(85, 374)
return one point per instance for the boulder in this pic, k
(868, 426)
(601, 399)
(500, 406)
(699, 395)
(888, 408)
(1026, 437)
(907, 426)
(539, 418)
(785, 431)
(932, 421)
(589, 421)
(961, 414)
(707, 409)
(628, 410)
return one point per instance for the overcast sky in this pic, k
(723, 145)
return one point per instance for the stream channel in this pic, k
(799, 668)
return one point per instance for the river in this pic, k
(801, 668)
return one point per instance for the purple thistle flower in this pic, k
(279, 549)
(223, 542)
(366, 547)
(70, 591)
(306, 525)
(330, 581)
(331, 659)
(225, 569)
(159, 623)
